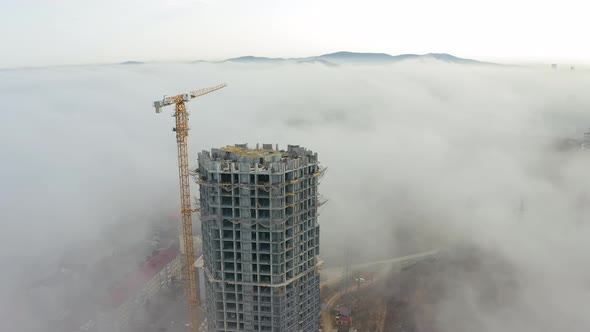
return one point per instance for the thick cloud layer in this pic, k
(420, 155)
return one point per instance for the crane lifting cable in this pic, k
(181, 130)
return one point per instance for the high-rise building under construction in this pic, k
(259, 212)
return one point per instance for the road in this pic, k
(326, 318)
(398, 260)
(334, 274)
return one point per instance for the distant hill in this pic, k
(352, 57)
(263, 60)
(254, 59)
(383, 58)
(319, 61)
(132, 63)
(347, 58)
(451, 58)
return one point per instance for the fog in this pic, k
(420, 155)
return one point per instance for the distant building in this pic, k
(199, 266)
(126, 298)
(343, 316)
(260, 231)
(197, 244)
(554, 66)
(586, 141)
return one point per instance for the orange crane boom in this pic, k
(181, 130)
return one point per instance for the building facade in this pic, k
(126, 300)
(260, 233)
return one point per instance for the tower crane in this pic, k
(181, 130)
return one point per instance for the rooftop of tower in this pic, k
(256, 153)
(265, 154)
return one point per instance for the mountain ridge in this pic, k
(347, 57)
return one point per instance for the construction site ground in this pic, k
(409, 300)
(394, 301)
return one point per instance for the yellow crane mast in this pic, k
(181, 130)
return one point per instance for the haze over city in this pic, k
(454, 131)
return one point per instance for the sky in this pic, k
(67, 32)
(419, 155)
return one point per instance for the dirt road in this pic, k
(326, 318)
